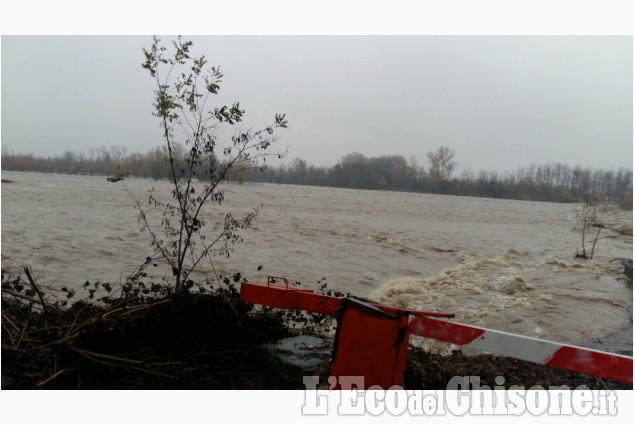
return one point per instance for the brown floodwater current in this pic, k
(502, 264)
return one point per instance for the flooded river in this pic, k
(502, 264)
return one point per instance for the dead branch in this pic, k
(10, 322)
(9, 334)
(154, 372)
(50, 378)
(37, 290)
(94, 356)
(18, 295)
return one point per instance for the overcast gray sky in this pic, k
(498, 101)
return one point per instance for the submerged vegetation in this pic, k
(593, 222)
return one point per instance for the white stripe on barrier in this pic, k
(516, 346)
(577, 359)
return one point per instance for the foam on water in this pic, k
(550, 298)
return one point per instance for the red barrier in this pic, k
(370, 342)
(372, 338)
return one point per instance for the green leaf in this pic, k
(281, 121)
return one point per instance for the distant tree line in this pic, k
(549, 182)
(97, 161)
(554, 182)
(106, 161)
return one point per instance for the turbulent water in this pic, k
(502, 264)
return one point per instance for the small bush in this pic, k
(627, 202)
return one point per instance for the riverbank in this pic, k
(202, 339)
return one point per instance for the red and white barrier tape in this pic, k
(576, 359)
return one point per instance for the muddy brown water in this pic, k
(501, 264)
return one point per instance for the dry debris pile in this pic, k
(168, 341)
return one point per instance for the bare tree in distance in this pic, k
(442, 164)
(185, 86)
